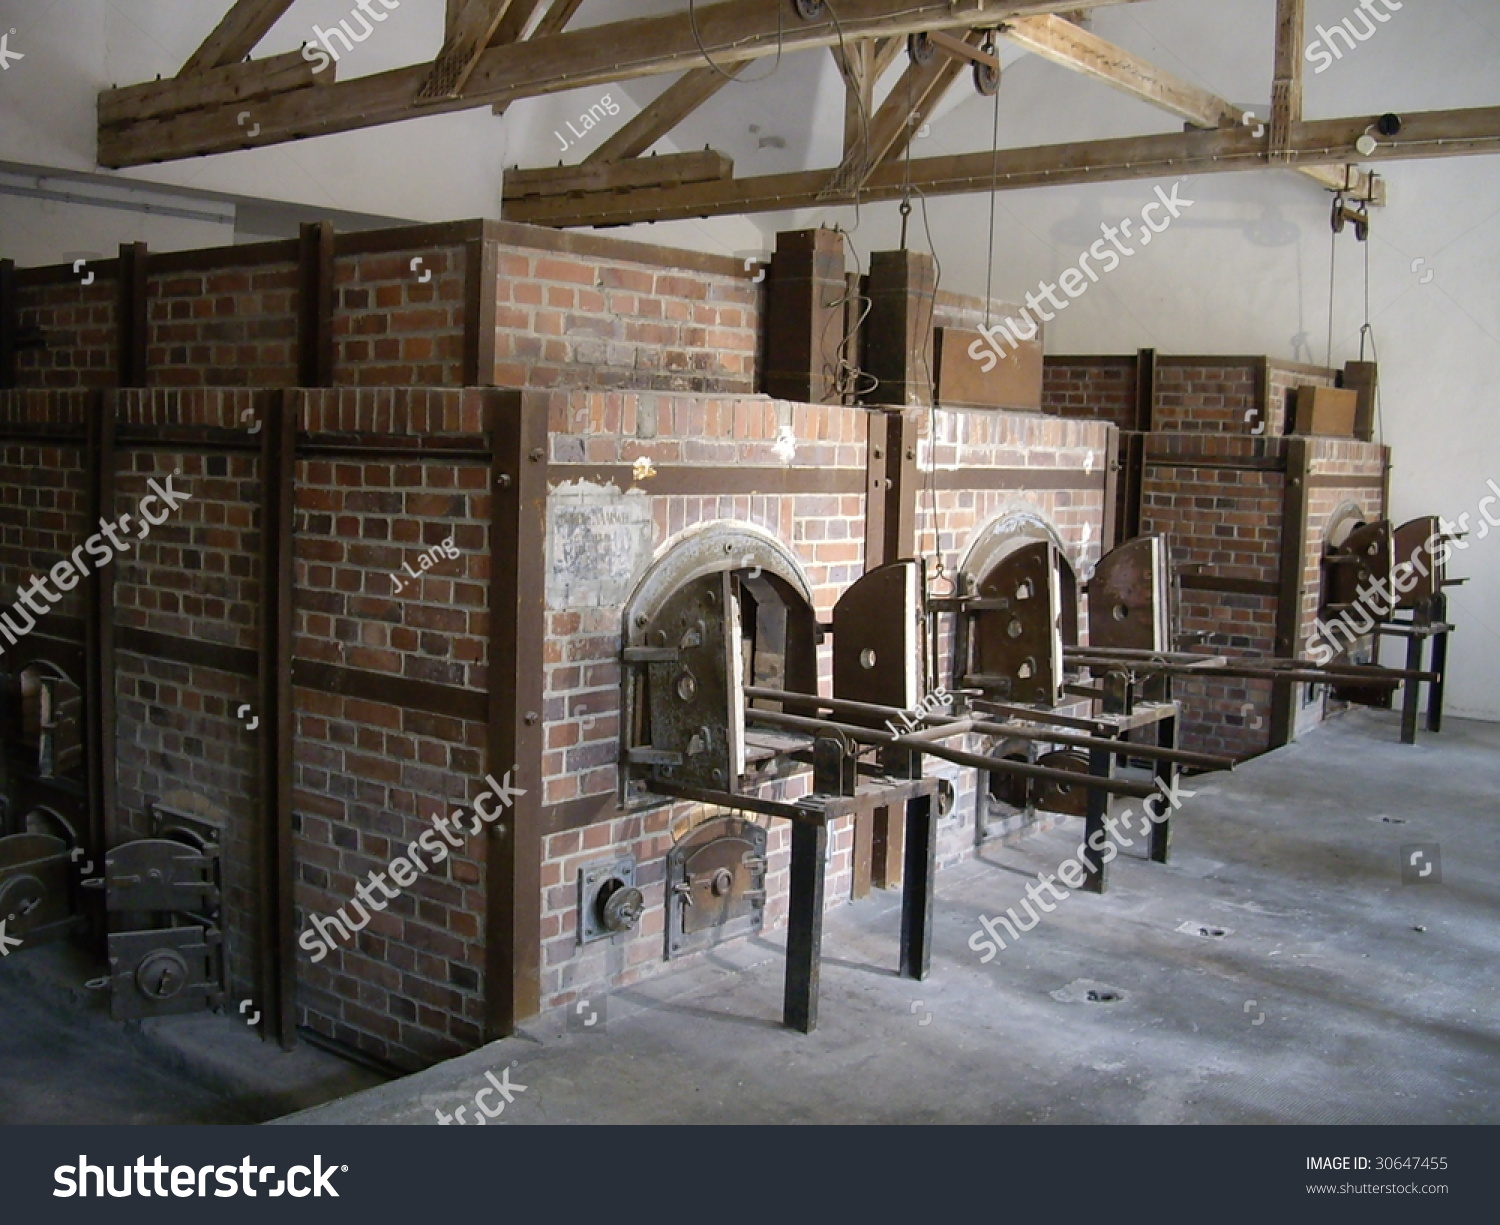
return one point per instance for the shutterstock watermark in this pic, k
(1109, 251)
(1325, 47)
(365, 12)
(482, 1110)
(318, 938)
(1373, 603)
(186, 1181)
(40, 599)
(1073, 871)
(1376, 600)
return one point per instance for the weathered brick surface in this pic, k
(1210, 396)
(569, 311)
(823, 531)
(1091, 388)
(79, 324)
(195, 577)
(567, 321)
(1285, 378)
(1224, 519)
(371, 776)
(949, 521)
(392, 328)
(230, 327)
(43, 498)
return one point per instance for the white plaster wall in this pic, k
(1245, 270)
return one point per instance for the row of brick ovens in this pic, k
(373, 600)
(1230, 459)
(677, 616)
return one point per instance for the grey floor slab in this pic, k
(1277, 970)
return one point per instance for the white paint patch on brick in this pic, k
(599, 543)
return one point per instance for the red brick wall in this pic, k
(194, 577)
(78, 321)
(229, 327)
(1210, 395)
(43, 498)
(370, 776)
(1224, 522)
(1091, 388)
(391, 328)
(1359, 469)
(569, 311)
(565, 320)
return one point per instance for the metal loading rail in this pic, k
(1084, 789)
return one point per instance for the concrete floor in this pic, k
(63, 1061)
(1335, 993)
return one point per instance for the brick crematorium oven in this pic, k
(471, 656)
(1238, 463)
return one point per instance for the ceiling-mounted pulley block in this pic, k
(920, 48)
(810, 10)
(1344, 212)
(987, 75)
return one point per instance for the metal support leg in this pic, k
(1096, 871)
(1411, 691)
(1439, 665)
(1167, 773)
(804, 937)
(917, 888)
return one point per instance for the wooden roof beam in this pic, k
(1075, 48)
(856, 64)
(1454, 133)
(552, 63)
(238, 33)
(550, 183)
(470, 26)
(1062, 42)
(665, 112)
(1286, 89)
(893, 126)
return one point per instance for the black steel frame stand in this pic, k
(1433, 625)
(809, 862)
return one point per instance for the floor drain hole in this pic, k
(1213, 933)
(1394, 820)
(1102, 997)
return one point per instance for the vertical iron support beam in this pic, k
(1166, 773)
(1411, 691)
(131, 314)
(10, 322)
(919, 887)
(1110, 527)
(513, 851)
(1095, 866)
(804, 929)
(315, 305)
(902, 483)
(99, 671)
(481, 274)
(879, 429)
(280, 411)
(1294, 521)
(1439, 664)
